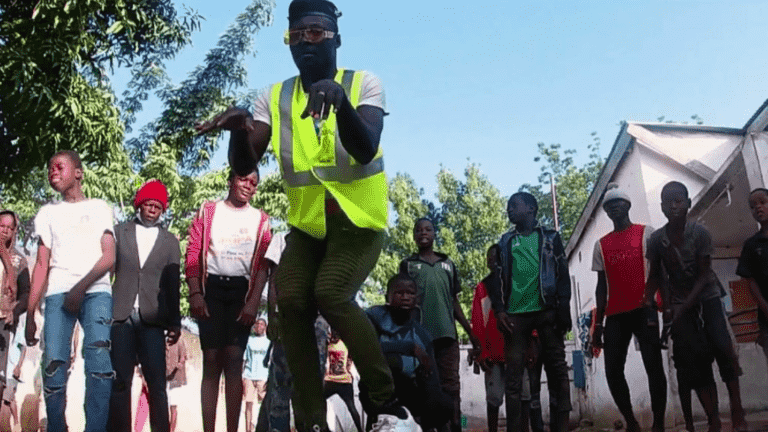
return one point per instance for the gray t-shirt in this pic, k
(680, 265)
(371, 93)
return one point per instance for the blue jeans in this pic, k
(95, 318)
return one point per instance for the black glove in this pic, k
(563, 319)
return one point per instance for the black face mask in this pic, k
(315, 57)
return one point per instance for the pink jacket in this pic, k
(200, 238)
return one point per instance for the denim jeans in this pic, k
(95, 317)
(133, 341)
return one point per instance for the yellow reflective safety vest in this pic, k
(313, 162)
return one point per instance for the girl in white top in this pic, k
(225, 264)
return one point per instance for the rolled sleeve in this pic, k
(597, 258)
(456, 288)
(261, 106)
(106, 220)
(703, 242)
(43, 228)
(372, 92)
(192, 257)
(275, 248)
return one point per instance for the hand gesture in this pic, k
(73, 299)
(323, 95)
(423, 358)
(473, 354)
(676, 312)
(12, 287)
(597, 337)
(504, 323)
(30, 329)
(563, 320)
(232, 119)
(247, 315)
(197, 307)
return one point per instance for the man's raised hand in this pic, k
(232, 119)
(323, 95)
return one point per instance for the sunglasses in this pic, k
(312, 35)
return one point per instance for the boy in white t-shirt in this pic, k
(76, 250)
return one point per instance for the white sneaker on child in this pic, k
(392, 423)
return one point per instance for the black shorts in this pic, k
(721, 339)
(225, 298)
(691, 350)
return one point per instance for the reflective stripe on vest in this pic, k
(316, 167)
(345, 170)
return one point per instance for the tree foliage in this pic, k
(573, 184)
(54, 91)
(207, 91)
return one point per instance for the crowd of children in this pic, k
(520, 312)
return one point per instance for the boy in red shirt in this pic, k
(490, 357)
(619, 260)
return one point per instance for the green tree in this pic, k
(207, 91)
(54, 91)
(573, 184)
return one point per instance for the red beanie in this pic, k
(151, 190)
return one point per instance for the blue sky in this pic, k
(488, 80)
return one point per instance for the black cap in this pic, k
(302, 8)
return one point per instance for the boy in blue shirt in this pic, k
(408, 348)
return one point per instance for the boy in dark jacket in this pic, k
(753, 262)
(145, 307)
(534, 293)
(407, 345)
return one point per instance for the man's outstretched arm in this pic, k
(248, 138)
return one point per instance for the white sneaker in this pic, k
(391, 423)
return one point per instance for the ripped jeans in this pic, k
(95, 318)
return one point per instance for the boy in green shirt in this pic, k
(534, 293)
(437, 282)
